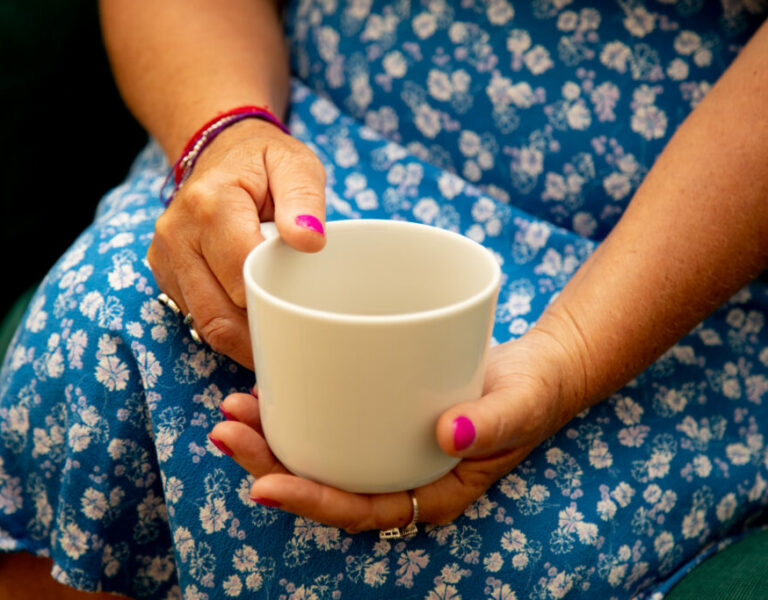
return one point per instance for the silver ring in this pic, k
(407, 532)
(192, 331)
(166, 300)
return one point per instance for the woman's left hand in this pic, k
(530, 391)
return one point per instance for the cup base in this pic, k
(376, 488)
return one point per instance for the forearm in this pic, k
(695, 232)
(180, 62)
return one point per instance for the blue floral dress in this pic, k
(526, 127)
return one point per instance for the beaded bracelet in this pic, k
(204, 136)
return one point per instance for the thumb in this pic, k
(505, 418)
(297, 185)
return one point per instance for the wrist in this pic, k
(557, 339)
(247, 129)
(207, 134)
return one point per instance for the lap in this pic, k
(107, 402)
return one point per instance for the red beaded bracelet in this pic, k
(204, 136)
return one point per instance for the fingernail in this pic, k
(310, 222)
(227, 416)
(255, 392)
(463, 433)
(221, 446)
(266, 502)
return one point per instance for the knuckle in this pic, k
(283, 152)
(157, 252)
(152, 257)
(368, 524)
(365, 521)
(163, 229)
(353, 525)
(302, 159)
(201, 200)
(308, 191)
(219, 333)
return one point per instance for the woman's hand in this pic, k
(250, 173)
(532, 388)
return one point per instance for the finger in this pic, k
(243, 408)
(222, 325)
(500, 420)
(227, 236)
(297, 184)
(246, 447)
(198, 293)
(334, 507)
(175, 309)
(163, 270)
(439, 502)
(447, 498)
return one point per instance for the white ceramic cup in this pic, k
(360, 347)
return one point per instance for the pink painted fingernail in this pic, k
(266, 501)
(463, 433)
(255, 392)
(310, 222)
(221, 446)
(227, 416)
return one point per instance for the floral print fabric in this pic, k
(525, 127)
(557, 106)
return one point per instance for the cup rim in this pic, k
(490, 289)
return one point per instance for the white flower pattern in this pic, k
(525, 126)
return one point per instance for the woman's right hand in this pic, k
(250, 173)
